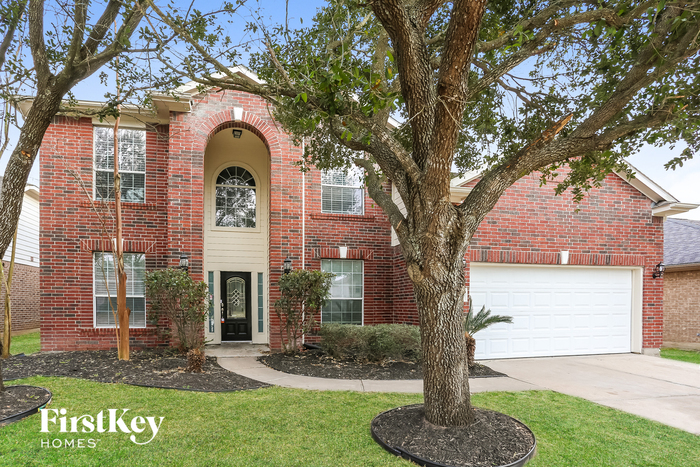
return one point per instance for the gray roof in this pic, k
(681, 241)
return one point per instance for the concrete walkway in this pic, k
(659, 389)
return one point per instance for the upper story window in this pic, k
(132, 164)
(235, 198)
(342, 191)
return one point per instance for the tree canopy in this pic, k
(504, 87)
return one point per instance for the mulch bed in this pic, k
(494, 439)
(162, 368)
(316, 363)
(17, 400)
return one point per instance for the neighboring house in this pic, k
(212, 177)
(25, 291)
(682, 284)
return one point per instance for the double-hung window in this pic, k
(342, 191)
(132, 164)
(105, 288)
(347, 292)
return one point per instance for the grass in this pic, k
(26, 344)
(285, 427)
(691, 356)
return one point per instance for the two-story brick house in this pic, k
(212, 177)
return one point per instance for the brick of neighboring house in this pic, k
(682, 309)
(24, 297)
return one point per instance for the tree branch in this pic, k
(13, 22)
(36, 43)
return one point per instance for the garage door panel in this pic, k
(556, 310)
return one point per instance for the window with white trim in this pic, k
(347, 292)
(235, 198)
(132, 164)
(105, 289)
(342, 191)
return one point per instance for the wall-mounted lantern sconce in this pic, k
(287, 267)
(237, 133)
(658, 271)
(343, 252)
(184, 262)
(464, 263)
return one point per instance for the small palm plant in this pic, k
(475, 323)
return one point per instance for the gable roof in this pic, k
(682, 244)
(665, 204)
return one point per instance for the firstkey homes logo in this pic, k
(142, 430)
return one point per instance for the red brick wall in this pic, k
(24, 297)
(70, 234)
(530, 225)
(367, 237)
(682, 309)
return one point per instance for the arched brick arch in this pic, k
(225, 120)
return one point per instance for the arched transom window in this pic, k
(235, 198)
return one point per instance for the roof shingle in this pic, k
(681, 241)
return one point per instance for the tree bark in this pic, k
(445, 368)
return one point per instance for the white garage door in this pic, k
(556, 310)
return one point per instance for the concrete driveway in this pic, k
(656, 388)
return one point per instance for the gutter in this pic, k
(682, 267)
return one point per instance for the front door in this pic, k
(235, 306)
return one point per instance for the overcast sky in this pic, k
(683, 183)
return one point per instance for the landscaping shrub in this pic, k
(174, 294)
(303, 294)
(372, 343)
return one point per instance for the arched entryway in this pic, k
(236, 233)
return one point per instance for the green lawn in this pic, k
(284, 427)
(26, 344)
(692, 356)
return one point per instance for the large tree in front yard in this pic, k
(506, 87)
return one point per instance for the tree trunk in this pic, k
(122, 311)
(2, 385)
(471, 348)
(445, 370)
(44, 107)
(7, 282)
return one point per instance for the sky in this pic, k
(683, 183)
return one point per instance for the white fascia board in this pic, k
(130, 111)
(32, 190)
(190, 88)
(671, 209)
(459, 193)
(466, 178)
(646, 186)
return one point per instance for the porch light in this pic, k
(464, 263)
(658, 271)
(343, 252)
(287, 265)
(184, 262)
(237, 133)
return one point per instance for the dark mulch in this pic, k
(494, 439)
(317, 363)
(16, 400)
(150, 367)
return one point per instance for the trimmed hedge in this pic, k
(372, 343)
